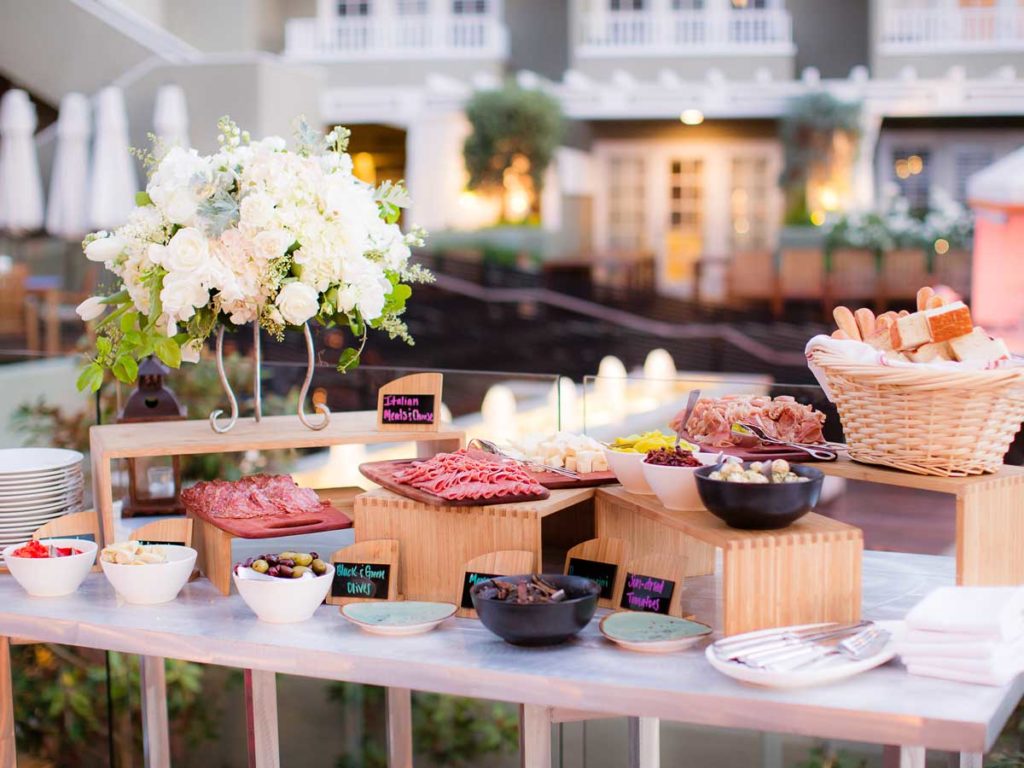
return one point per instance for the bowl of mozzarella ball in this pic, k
(759, 495)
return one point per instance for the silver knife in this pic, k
(727, 650)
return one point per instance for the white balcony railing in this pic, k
(685, 32)
(397, 37)
(941, 30)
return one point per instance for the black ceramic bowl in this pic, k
(760, 506)
(539, 623)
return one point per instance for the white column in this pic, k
(717, 21)
(863, 183)
(383, 15)
(156, 745)
(439, 12)
(435, 169)
(399, 709)
(661, 23)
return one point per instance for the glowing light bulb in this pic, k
(691, 117)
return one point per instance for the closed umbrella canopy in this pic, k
(21, 189)
(112, 185)
(67, 209)
(170, 116)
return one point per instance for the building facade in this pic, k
(672, 106)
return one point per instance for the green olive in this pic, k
(302, 558)
(286, 555)
(260, 566)
(319, 567)
(298, 571)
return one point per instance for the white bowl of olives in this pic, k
(284, 588)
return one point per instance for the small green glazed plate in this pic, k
(652, 632)
(402, 617)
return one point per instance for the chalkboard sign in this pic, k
(471, 578)
(363, 580)
(407, 409)
(77, 536)
(161, 543)
(602, 573)
(646, 593)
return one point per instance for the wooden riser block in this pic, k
(808, 572)
(435, 542)
(990, 533)
(645, 538)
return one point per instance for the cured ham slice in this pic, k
(470, 475)
(783, 418)
(252, 497)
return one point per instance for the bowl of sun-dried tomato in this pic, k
(50, 568)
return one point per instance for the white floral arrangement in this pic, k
(254, 233)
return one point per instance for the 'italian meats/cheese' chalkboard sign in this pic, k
(646, 593)
(407, 409)
(364, 580)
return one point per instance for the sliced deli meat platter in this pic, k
(37, 485)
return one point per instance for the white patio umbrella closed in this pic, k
(21, 189)
(67, 209)
(113, 184)
(170, 116)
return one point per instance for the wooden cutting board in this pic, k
(554, 481)
(383, 474)
(762, 452)
(327, 518)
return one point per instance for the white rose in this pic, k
(272, 243)
(298, 302)
(372, 295)
(256, 210)
(156, 253)
(179, 206)
(188, 251)
(181, 293)
(105, 248)
(91, 308)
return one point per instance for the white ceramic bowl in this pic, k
(154, 583)
(284, 601)
(676, 487)
(52, 576)
(628, 469)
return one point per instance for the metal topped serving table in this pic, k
(584, 678)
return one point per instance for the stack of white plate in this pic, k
(37, 485)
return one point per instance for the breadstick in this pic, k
(904, 313)
(846, 322)
(923, 295)
(865, 322)
(883, 322)
(934, 302)
(840, 334)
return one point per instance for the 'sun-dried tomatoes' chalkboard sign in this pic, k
(407, 409)
(364, 580)
(602, 573)
(646, 593)
(472, 578)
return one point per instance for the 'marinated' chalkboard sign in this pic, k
(602, 573)
(472, 578)
(646, 593)
(407, 409)
(362, 580)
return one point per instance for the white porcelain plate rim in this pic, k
(36, 460)
(13, 481)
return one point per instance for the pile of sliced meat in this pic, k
(251, 497)
(470, 475)
(783, 418)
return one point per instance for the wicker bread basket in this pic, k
(931, 422)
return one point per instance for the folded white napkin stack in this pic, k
(968, 634)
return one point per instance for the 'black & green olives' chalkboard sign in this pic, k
(602, 573)
(363, 580)
(469, 581)
(645, 593)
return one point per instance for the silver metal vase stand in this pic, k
(257, 395)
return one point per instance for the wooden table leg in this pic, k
(903, 757)
(971, 760)
(399, 707)
(156, 742)
(261, 719)
(8, 751)
(534, 736)
(644, 742)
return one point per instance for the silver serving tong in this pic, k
(822, 454)
(488, 447)
(691, 402)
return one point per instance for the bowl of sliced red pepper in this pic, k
(50, 568)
